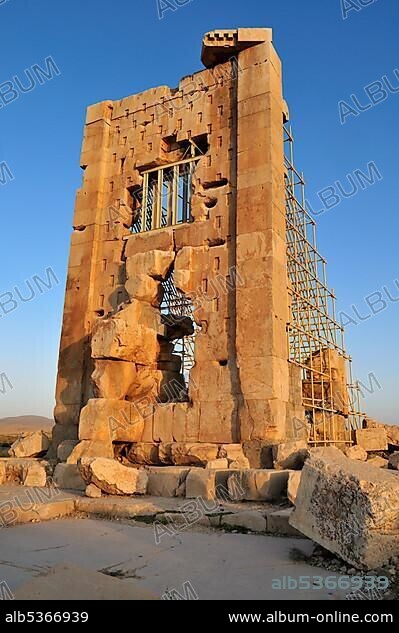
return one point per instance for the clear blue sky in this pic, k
(107, 50)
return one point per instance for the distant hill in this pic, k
(25, 424)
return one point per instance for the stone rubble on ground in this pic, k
(33, 445)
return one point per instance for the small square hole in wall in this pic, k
(114, 158)
(112, 280)
(142, 133)
(199, 117)
(134, 123)
(209, 160)
(126, 113)
(131, 152)
(160, 129)
(107, 226)
(122, 165)
(210, 97)
(101, 301)
(111, 186)
(104, 265)
(180, 124)
(220, 141)
(209, 128)
(216, 263)
(125, 140)
(152, 117)
(220, 110)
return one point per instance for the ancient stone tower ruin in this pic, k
(196, 306)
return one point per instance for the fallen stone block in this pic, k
(65, 448)
(201, 483)
(34, 474)
(356, 452)
(252, 520)
(258, 485)
(394, 460)
(294, 479)
(112, 477)
(372, 439)
(277, 522)
(348, 508)
(144, 453)
(32, 445)
(234, 455)
(93, 491)
(377, 462)
(166, 481)
(392, 430)
(259, 453)
(198, 454)
(91, 448)
(218, 464)
(290, 455)
(67, 477)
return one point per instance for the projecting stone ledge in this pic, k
(349, 508)
(219, 46)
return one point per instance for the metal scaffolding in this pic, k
(316, 339)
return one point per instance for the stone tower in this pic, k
(177, 303)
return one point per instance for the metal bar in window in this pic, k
(185, 195)
(144, 202)
(175, 191)
(157, 202)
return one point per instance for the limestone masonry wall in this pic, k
(118, 366)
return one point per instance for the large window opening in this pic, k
(165, 198)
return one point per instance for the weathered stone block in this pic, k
(67, 476)
(166, 481)
(144, 453)
(278, 522)
(65, 448)
(356, 452)
(294, 479)
(349, 508)
(372, 439)
(378, 462)
(290, 455)
(32, 445)
(201, 483)
(91, 448)
(112, 477)
(34, 474)
(198, 454)
(113, 379)
(93, 492)
(256, 485)
(259, 453)
(154, 263)
(218, 464)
